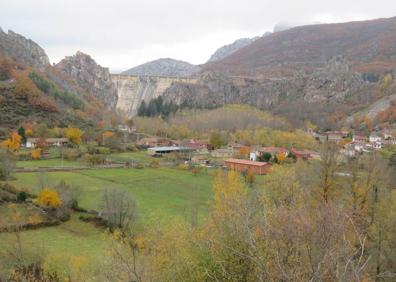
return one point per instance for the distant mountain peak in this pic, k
(164, 67)
(229, 49)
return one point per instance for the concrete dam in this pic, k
(132, 90)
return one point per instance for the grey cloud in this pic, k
(120, 33)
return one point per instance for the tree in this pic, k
(5, 68)
(142, 109)
(265, 157)
(49, 198)
(7, 164)
(216, 140)
(118, 208)
(280, 157)
(21, 132)
(13, 143)
(36, 154)
(74, 135)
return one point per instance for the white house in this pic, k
(253, 156)
(50, 142)
(375, 138)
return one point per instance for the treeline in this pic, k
(157, 107)
(52, 90)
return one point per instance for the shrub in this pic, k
(72, 154)
(155, 163)
(21, 197)
(138, 166)
(132, 148)
(183, 166)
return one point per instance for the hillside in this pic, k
(368, 45)
(163, 67)
(324, 73)
(31, 90)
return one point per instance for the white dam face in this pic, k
(132, 90)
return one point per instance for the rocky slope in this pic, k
(23, 50)
(90, 76)
(227, 50)
(164, 67)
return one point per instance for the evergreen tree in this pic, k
(142, 109)
(22, 133)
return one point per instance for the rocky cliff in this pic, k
(306, 94)
(132, 90)
(23, 50)
(164, 67)
(91, 77)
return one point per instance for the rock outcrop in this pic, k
(23, 50)
(132, 90)
(164, 67)
(227, 50)
(91, 77)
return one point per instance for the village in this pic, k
(243, 158)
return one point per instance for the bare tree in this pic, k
(118, 208)
(7, 164)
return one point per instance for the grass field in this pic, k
(164, 192)
(48, 163)
(71, 239)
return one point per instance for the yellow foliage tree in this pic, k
(74, 135)
(49, 198)
(36, 154)
(13, 143)
(281, 157)
(107, 134)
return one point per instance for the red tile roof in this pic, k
(246, 162)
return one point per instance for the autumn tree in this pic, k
(217, 139)
(280, 157)
(13, 143)
(74, 135)
(5, 68)
(49, 198)
(36, 154)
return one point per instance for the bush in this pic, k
(72, 154)
(154, 163)
(183, 166)
(103, 150)
(21, 197)
(132, 148)
(138, 166)
(94, 159)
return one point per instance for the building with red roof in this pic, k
(248, 166)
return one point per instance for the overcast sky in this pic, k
(120, 34)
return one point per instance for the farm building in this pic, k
(159, 151)
(154, 142)
(50, 142)
(248, 166)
